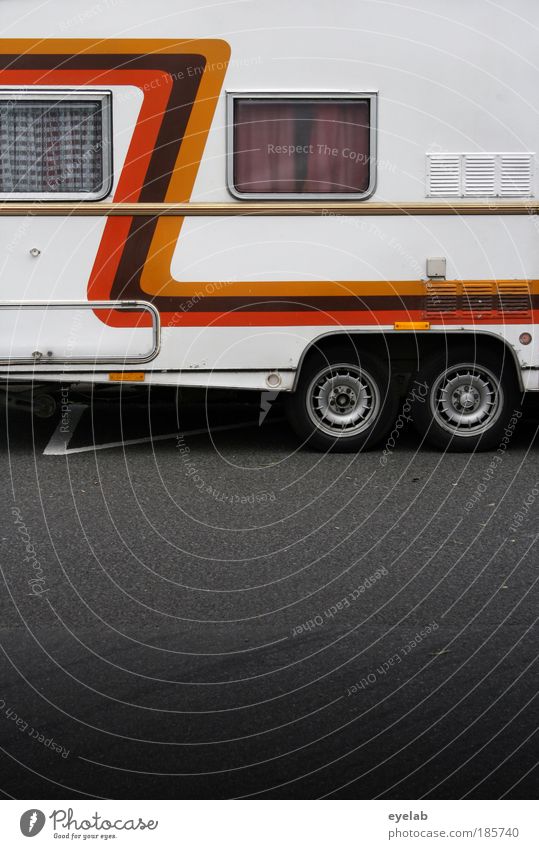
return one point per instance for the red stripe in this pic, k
(316, 319)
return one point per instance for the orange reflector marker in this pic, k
(128, 376)
(412, 325)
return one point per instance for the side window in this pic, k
(55, 145)
(301, 146)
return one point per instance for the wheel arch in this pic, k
(405, 349)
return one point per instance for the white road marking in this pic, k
(57, 446)
(65, 429)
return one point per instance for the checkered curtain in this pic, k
(50, 147)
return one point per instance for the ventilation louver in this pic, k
(477, 299)
(480, 174)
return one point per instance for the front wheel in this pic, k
(343, 402)
(466, 401)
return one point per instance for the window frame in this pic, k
(59, 95)
(233, 95)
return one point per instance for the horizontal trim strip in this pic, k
(159, 210)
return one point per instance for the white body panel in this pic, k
(355, 248)
(451, 77)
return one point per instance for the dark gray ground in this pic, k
(159, 649)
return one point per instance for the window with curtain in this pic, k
(301, 146)
(54, 147)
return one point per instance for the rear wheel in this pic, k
(343, 401)
(467, 400)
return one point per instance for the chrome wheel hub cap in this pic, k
(343, 400)
(466, 399)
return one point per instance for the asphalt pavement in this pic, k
(194, 607)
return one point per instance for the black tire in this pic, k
(371, 401)
(452, 390)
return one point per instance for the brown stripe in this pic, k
(373, 303)
(284, 304)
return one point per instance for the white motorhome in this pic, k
(317, 199)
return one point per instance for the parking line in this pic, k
(59, 446)
(65, 429)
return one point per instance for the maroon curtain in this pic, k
(302, 146)
(264, 134)
(338, 160)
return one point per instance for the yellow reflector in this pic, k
(412, 325)
(132, 376)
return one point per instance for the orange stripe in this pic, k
(167, 232)
(89, 46)
(313, 288)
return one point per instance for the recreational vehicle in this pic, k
(334, 201)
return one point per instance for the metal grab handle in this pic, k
(138, 306)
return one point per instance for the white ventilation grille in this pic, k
(516, 174)
(480, 174)
(443, 175)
